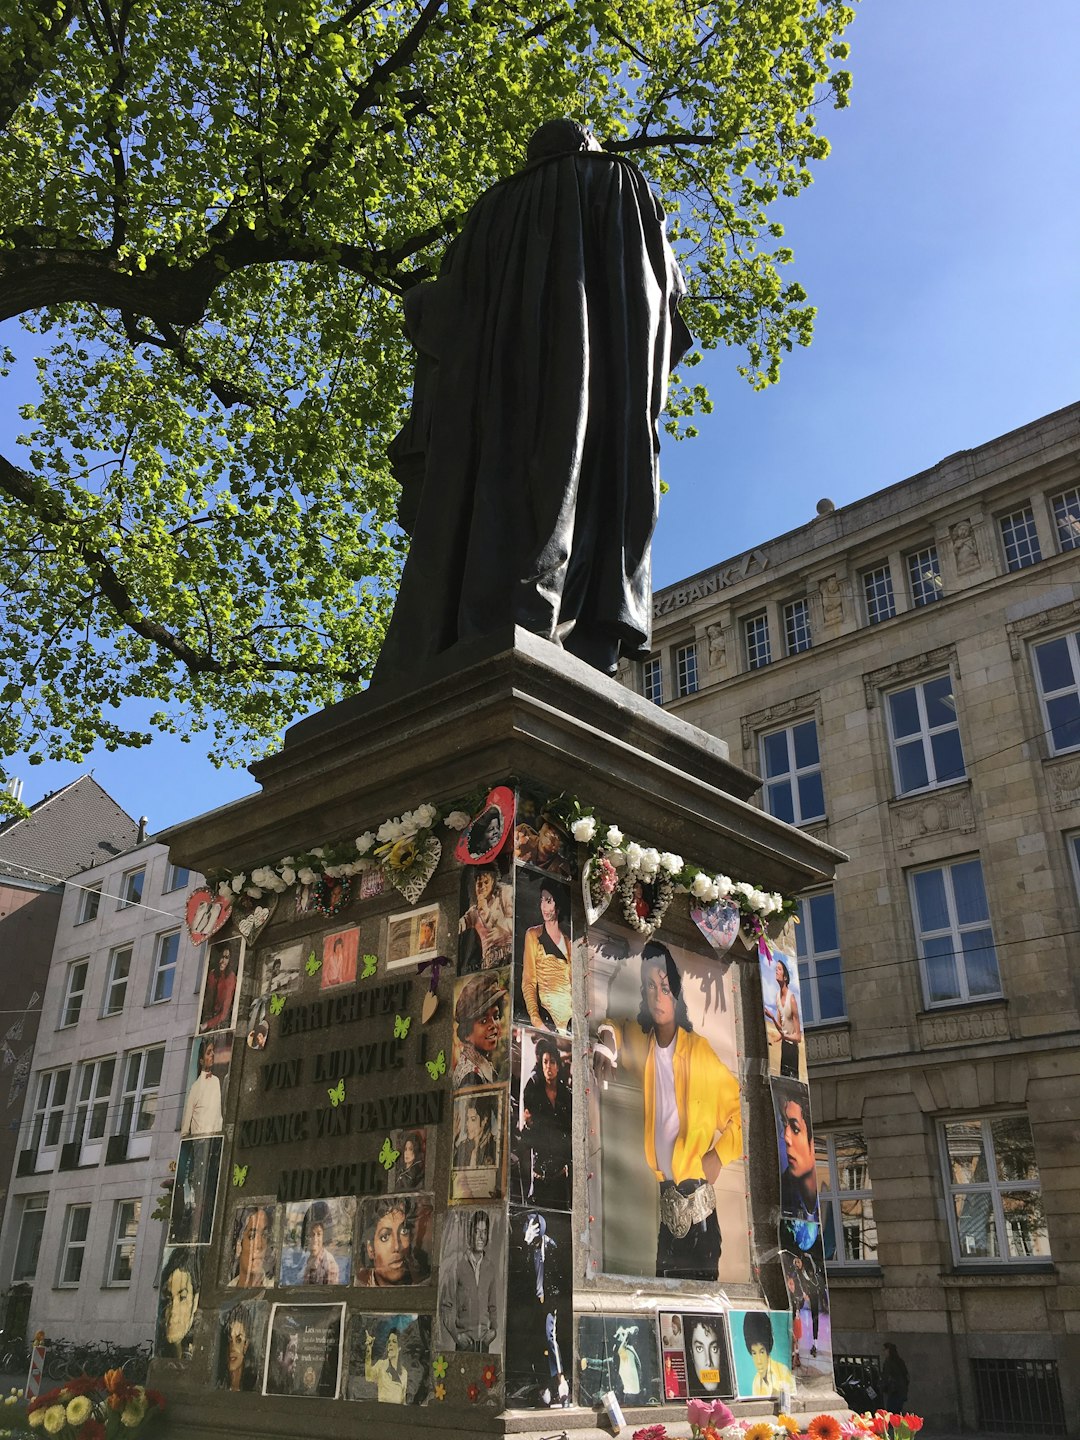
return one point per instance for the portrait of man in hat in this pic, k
(480, 1040)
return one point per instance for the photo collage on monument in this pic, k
(617, 1354)
(389, 1359)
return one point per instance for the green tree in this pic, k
(209, 212)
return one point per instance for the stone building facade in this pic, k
(904, 673)
(103, 1103)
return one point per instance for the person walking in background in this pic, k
(894, 1379)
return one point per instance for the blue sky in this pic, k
(940, 244)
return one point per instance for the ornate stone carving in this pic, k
(831, 591)
(888, 675)
(824, 1045)
(965, 546)
(1063, 782)
(803, 705)
(933, 814)
(963, 1027)
(1018, 630)
(717, 646)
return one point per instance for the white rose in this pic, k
(287, 860)
(457, 820)
(777, 902)
(701, 885)
(742, 888)
(306, 875)
(650, 861)
(614, 836)
(713, 892)
(671, 863)
(633, 855)
(224, 888)
(364, 842)
(318, 852)
(238, 883)
(425, 816)
(388, 831)
(254, 892)
(618, 859)
(723, 886)
(583, 829)
(288, 874)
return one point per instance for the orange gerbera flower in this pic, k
(824, 1427)
(789, 1424)
(760, 1431)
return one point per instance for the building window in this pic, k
(176, 877)
(122, 1249)
(995, 1203)
(92, 1108)
(792, 769)
(797, 626)
(164, 977)
(686, 671)
(89, 904)
(817, 946)
(849, 1231)
(31, 1228)
(1057, 669)
(924, 576)
(956, 944)
(652, 680)
(1019, 539)
(878, 593)
(1066, 508)
(131, 887)
(925, 735)
(74, 990)
(48, 1123)
(73, 1249)
(117, 981)
(138, 1103)
(756, 638)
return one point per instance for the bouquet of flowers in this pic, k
(716, 1422)
(90, 1407)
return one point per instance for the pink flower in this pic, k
(701, 1414)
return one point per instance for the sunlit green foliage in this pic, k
(209, 210)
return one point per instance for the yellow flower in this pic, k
(134, 1413)
(790, 1425)
(55, 1418)
(761, 1431)
(403, 854)
(37, 1418)
(78, 1410)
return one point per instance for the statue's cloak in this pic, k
(529, 463)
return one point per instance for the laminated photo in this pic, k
(304, 1351)
(317, 1244)
(541, 1120)
(540, 1311)
(241, 1352)
(220, 992)
(396, 1233)
(389, 1359)
(339, 952)
(412, 937)
(472, 1281)
(486, 923)
(207, 1078)
(761, 1350)
(782, 1004)
(478, 1171)
(543, 997)
(178, 1302)
(191, 1214)
(617, 1353)
(481, 1043)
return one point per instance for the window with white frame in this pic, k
(848, 1228)
(1057, 671)
(1019, 538)
(73, 1248)
(995, 1199)
(1066, 508)
(756, 640)
(1073, 842)
(791, 766)
(797, 626)
(48, 1122)
(31, 1229)
(817, 948)
(116, 981)
(925, 735)
(652, 680)
(92, 1108)
(125, 1231)
(166, 951)
(74, 990)
(952, 923)
(176, 877)
(878, 594)
(924, 576)
(139, 1098)
(686, 669)
(131, 887)
(89, 904)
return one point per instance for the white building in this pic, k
(100, 1124)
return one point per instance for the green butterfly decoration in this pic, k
(437, 1067)
(313, 966)
(337, 1094)
(277, 1004)
(387, 1155)
(239, 1174)
(371, 964)
(401, 1026)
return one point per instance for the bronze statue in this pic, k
(528, 465)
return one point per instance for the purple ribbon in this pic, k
(436, 970)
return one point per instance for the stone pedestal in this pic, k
(521, 713)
